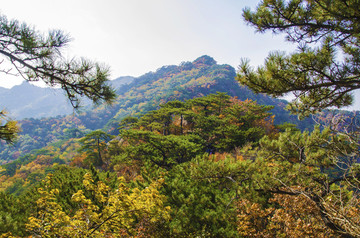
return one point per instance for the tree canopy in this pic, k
(325, 69)
(179, 131)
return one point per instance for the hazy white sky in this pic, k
(134, 37)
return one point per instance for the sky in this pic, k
(134, 37)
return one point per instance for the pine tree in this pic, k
(38, 57)
(325, 69)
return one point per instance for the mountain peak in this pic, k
(204, 60)
(24, 84)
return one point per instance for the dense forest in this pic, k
(140, 95)
(196, 149)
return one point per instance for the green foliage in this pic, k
(94, 145)
(14, 212)
(179, 131)
(317, 76)
(202, 195)
(165, 151)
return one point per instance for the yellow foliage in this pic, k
(7, 235)
(120, 211)
(293, 216)
(8, 128)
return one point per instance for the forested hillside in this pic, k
(136, 96)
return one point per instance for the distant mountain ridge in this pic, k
(30, 101)
(27, 100)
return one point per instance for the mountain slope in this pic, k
(139, 95)
(201, 77)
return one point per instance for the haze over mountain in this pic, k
(30, 101)
(27, 100)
